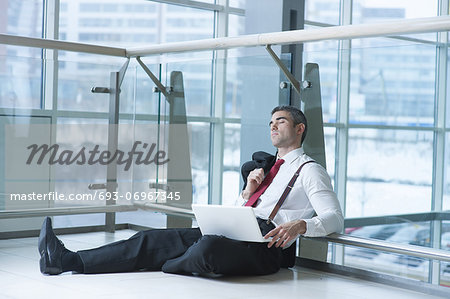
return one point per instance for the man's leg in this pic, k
(146, 250)
(220, 255)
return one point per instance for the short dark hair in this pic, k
(297, 116)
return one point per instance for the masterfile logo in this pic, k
(83, 151)
(140, 153)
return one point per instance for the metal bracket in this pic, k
(153, 185)
(96, 186)
(122, 71)
(100, 186)
(159, 86)
(168, 89)
(295, 83)
(96, 89)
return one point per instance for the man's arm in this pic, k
(317, 186)
(324, 201)
(254, 179)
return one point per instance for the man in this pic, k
(186, 251)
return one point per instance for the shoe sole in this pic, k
(42, 242)
(43, 262)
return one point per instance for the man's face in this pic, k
(283, 133)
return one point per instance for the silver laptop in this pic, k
(234, 222)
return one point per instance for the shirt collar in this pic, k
(292, 155)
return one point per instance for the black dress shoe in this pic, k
(51, 249)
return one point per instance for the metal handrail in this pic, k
(43, 43)
(405, 26)
(397, 218)
(412, 250)
(25, 213)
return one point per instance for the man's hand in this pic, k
(254, 179)
(285, 233)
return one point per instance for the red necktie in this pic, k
(265, 183)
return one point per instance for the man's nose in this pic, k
(273, 126)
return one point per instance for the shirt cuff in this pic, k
(240, 201)
(313, 228)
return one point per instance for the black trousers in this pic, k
(184, 251)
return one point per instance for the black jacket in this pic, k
(259, 160)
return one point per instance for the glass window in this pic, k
(183, 23)
(20, 80)
(391, 83)
(120, 25)
(244, 89)
(20, 67)
(23, 17)
(134, 24)
(445, 274)
(375, 11)
(236, 25)
(393, 264)
(199, 148)
(197, 85)
(231, 164)
(237, 3)
(369, 11)
(233, 101)
(325, 54)
(76, 80)
(446, 199)
(448, 90)
(389, 172)
(323, 11)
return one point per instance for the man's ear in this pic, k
(300, 128)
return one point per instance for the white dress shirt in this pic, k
(312, 193)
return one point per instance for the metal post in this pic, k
(116, 80)
(113, 130)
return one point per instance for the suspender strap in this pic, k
(286, 192)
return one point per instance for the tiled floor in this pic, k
(20, 278)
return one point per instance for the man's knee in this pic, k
(206, 251)
(201, 257)
(209, 245)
